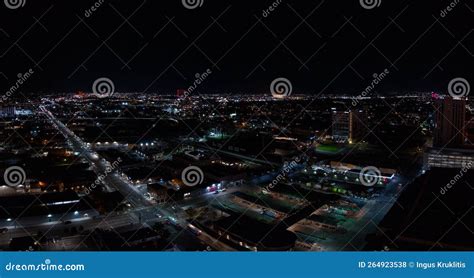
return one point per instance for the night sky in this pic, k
(159, 46)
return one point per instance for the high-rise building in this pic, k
(450, 122)
(347, 126)
(451, 148)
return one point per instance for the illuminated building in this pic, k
(347, 126)
(449, 158)
(450, 122)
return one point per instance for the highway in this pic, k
(101, 166)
